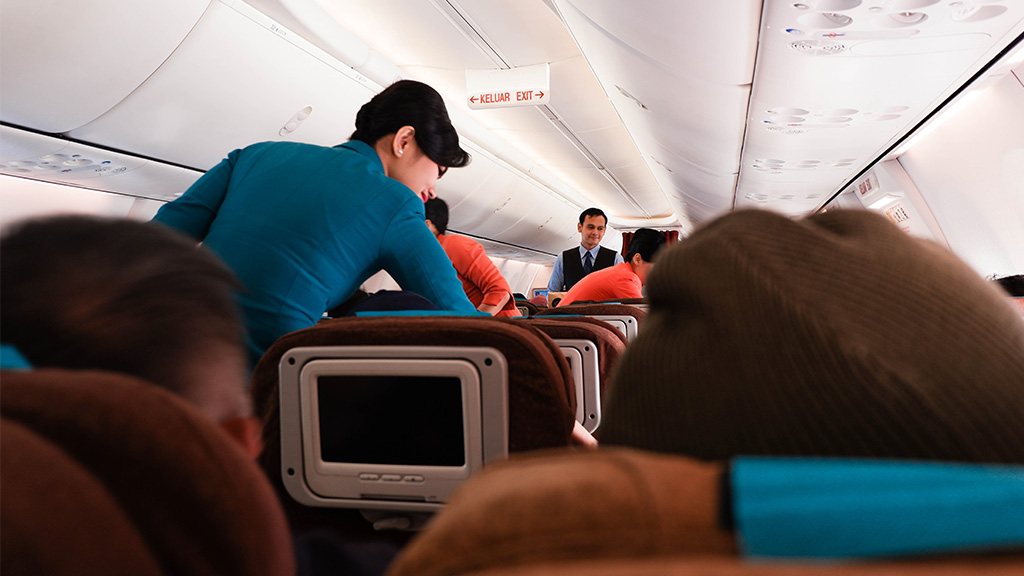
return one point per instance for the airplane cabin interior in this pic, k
(666, 115)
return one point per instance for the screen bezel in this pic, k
(488, 362)
(342, 480)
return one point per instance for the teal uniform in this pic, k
(302, 226)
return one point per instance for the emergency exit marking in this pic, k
(501, 97)
(521, 86)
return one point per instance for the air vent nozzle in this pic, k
(818, 47)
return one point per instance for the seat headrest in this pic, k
(59, 518)
(194, 496)
(560, 505)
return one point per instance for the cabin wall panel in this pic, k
(970, 171)
(21, 198)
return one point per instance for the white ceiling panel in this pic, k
(231, 83)
(64, 63)
(836, 86)
(436, 41)
(697, 119)
(662, 112)
(578, 98)
(722, 33)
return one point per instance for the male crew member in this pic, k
(575, 263)
(622, 280)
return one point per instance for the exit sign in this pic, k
(524, 86)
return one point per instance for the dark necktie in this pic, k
(588, 263)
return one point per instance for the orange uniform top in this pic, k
(481, 280)
(618, 281)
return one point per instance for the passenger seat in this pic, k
(107, 474)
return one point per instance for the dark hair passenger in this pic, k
(483, 283)
(302, 226)
(623, 280)
(89, 293)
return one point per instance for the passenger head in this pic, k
(592, 227)
(644, 244)
(407, 123)
(1014, 285)
(437, 215)
(81, 292)
(834, 335)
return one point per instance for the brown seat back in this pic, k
(541, 396)
(570, 506)
(196, 499)
(610, 342)
(618, 512)
(530, 307)
(598, 310)
(56, 517)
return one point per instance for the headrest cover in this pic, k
(835, 335)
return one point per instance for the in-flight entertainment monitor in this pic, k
(389, 428)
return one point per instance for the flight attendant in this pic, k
(302, 226)
(575, 263)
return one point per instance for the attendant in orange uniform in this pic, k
(623, 280)
(483, 284)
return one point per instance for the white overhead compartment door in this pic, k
(65, 63)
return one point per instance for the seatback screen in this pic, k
(400, 420)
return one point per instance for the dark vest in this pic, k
(572, 264)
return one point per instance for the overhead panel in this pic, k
(66, 63)
(437, 40)
(838, 81)
(35, 156)
(679, 83)
(237, 79)
(489, 200)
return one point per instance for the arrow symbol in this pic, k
(473, 99)
(540, 94)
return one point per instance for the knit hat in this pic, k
(834, 335)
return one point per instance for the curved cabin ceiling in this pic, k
(679, 111)
(664, 113)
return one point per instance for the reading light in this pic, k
(909, 17)
(885, 201)
(841, 19)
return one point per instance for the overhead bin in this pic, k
(221, 75)
(66, 63)
(237, 79)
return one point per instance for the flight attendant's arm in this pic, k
(415, 259)
(194, 211)
(618, 258)
(557, 276)
(474, 265)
